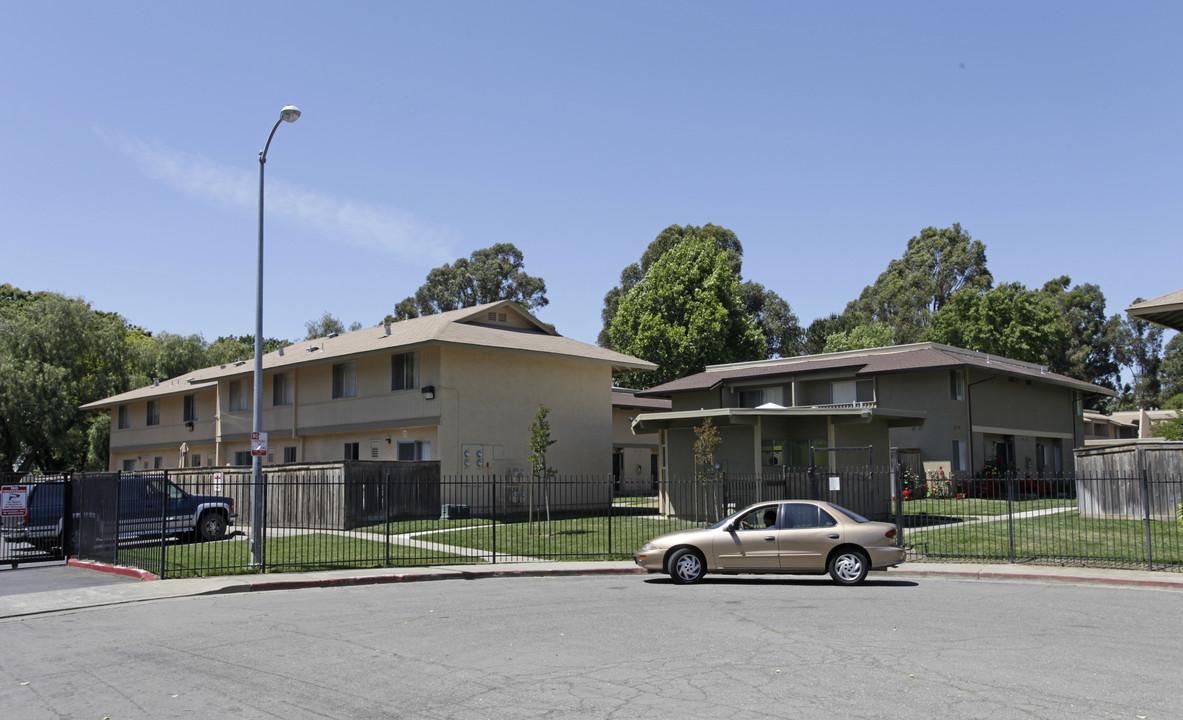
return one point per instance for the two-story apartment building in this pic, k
(460, 388)
(950, 409)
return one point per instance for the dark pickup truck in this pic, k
(149, 505)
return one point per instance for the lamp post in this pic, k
(289, 114)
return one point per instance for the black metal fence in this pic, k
(346, 515)
(1119, 522)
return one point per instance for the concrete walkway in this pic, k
(36, 603)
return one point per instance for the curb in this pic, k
(112, 569)
(1000, 574)
(265, 585)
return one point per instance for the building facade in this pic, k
(944, 409)
(460, 388)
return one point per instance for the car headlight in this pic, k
(650, 546)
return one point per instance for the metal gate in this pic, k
(36, 535)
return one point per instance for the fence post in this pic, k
(1146, 518)
(610, 502)
(386, 510)
(163, 525)
(1011, 479)
(896, 501)
(493, 514)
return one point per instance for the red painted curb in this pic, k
(112, 569)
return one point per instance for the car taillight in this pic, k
(890, 533)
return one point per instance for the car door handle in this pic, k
(770, 538)
(832, 537)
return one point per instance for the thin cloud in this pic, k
(374, 227)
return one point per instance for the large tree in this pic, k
(772, 314)
(165, 355)
(326, 325)
(1009, 320)
(1171, 372)
(872, 335)
(818, 334)
(55, 355)
(1140, 351)
(913, 288)
(1087, 350)
(685, 314)
(489, 275)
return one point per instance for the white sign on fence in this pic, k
(14, 501)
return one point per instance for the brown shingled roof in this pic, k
(874, 361)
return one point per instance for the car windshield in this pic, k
(725, 521)
(849, 513)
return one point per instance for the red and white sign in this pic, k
(259, 443)
(14, 501)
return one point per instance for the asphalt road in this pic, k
(42, 577)
(609, 647)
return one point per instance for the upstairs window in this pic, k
(124, 417)
(956, 385)
(238, 396)
(153, 417)
(282, 392)
(189, 413)
(404, 371)
(345, 380)
(849, 392)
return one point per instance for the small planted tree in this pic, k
(540, 473)
(706, 443)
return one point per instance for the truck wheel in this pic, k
(212, 526)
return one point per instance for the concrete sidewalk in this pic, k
(37, 603)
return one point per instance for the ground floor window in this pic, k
(351, 451)
(960, 461)
(242, 457)
(414, 450)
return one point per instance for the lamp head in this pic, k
(289, 113)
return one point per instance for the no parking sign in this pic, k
(14, 501)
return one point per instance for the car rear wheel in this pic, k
(849, 567)
(212, 526)
(686, 566)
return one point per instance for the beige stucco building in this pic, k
(634, 454)
(460, 388)
(943, 408)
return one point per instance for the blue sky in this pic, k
(824, 134)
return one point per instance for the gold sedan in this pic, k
(803, 537)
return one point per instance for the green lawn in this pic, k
(1058, 536)
(296, 553)
(979, 507)
(582, 538)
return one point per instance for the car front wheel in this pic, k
(686, 567)
(849, 567)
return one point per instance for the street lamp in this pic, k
(288, 114)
